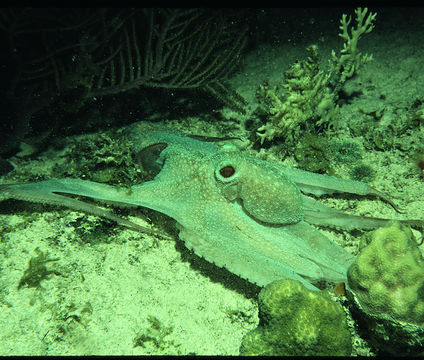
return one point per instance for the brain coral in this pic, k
(386, 289)
(387, 277)
(296, 321)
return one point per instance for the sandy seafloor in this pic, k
(126, 285)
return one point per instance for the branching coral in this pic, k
(311, 94)
(307, 97)
(350, 59)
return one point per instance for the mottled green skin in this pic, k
(238, 212)
(236, 221)
(295, 321)
(388, 275)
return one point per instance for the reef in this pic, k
(295, 321)
(307, 96)
(386, 288)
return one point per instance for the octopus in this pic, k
(253, 217)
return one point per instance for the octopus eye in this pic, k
(227, 171)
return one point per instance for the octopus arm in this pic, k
(50, 192)
(320, 214)
(318, 185)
